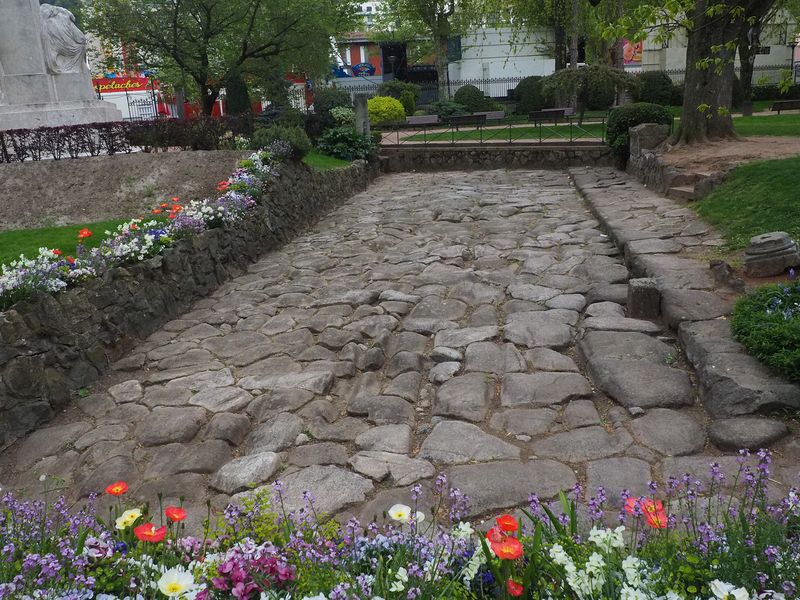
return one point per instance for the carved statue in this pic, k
(64, 44)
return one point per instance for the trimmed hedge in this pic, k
(654, 87)
(530, 95)
(294, 136)
(384, 110)
(346, 143)
(396, 88)
(624, 117)
(767, 322)
(473, 99)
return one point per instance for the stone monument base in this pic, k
(32, 116)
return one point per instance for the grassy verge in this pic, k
(756, 198)
(28, 241)
(323, 162)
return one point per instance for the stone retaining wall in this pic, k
(53, 345)
(467, 158)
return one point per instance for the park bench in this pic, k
(780, 105)
(423, 120)
(550, 114)
(457, 120)
(492, 115)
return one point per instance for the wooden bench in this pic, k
(550, 114)
(780, 105)
(456, 120)
(492, 115)
(423, 120)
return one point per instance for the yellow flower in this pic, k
(175, 582)
(400, 512)
(128, 518)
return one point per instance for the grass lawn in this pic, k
(589, 131)
(28, 241)
(323, 162)
(756, 198)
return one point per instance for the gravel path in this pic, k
(472, 323)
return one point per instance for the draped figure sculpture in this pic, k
(64, 44)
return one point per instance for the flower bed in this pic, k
(722, 541)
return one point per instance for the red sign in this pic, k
(123, 84)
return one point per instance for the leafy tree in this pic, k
(585, 83)
(207, 40)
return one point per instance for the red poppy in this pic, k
(156, 211)
(150, 533)
(175, 513)
(509, 548)
(164, 205)
(514, 588)
(171, 215)
(84, 233)
(175, 199)
(70, 260)
(57, 252)
(507, 523)
(177, 207)
(134, 227)
(223, 185)
(630, 505)
(495, 534)
(117, 488)
(654, 513)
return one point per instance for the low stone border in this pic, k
(52, 345)
(395, 159)
(667, 242)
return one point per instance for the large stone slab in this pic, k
(318, 382)
(507, 484)
(692, 305)
(524, 421)
(276, 434)
(600, 345)
(746, 432)
(543, 389)
(488, 357)
(465, 397)
(670, 432)
(166, 424)
(617, 474)
(550, 328)
(332, 489)
(620, 324)
(401, 469)
(459, 338)
(641, 383)
(587, 443)
(246, 471)
(455, 442)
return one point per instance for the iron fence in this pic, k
(498, 88)
(762, 74)
(569, 131)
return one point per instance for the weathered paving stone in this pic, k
(230, 345)
(444, 354)
(620, 324)
(455, 442)
(127, 391)
(746, 432)
(599, 345)
(669, 432)
(545, 359)
(524, 421)
(402, 469)
(48, 441)
(465, 397)
(103, 433)
(242, 472)
(403, 362)
(323, 453)
(318, 382)
(459, 338)
(386, 438)
(443, 371)
(568, 301)
(276, 434)
(587, 443)
(229, 399)
(641, 383)
(333, 488)
(405, 386)
(487, 357)
(532, 293)
(550, 328)
(203, 380)
(507, 484)
(276, 401)
(319, 409)
(230, 427)
(543, 389)
(345, 429)
(166, 424)
(580, 413)
(605, 309)
(617, 474)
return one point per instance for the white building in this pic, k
(499, 53)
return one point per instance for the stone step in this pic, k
(685, 193)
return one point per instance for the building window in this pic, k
(369, 9)
(762, 50)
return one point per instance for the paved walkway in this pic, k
(437, 322)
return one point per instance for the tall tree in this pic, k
(208, 40)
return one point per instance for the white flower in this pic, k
(419, 517)
(175, 582)
(630, 567)
(463, 531)
(400, 579)
(629, 593)
(726, 591)
(400, 513)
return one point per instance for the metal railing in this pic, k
(568, 131)
(772, 73)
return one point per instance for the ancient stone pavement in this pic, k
(436, 322)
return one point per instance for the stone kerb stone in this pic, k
(51, 345)
(646, 136)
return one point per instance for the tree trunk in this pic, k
(573, 41)
(208, 98)
(707, 98)
(560, 46)
(440, 60)
(747, 58)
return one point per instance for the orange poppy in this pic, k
(150, 533)
(175, 513)
(507, 523)
(509, 548)
(156, 211)
(117, 488)
(514, 588)
(84, 233)
(654, 513)
(164, 205)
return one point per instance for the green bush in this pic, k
(676, 99)
(530, 95)
(409, 102)
(384, 110)
(343, 116)
(773, 92)
(473, 99)
(624, 117)
(395, 89)
(346, 143)
(654, 87)
(767, 322)
(601, 95)
(291, 117)
(447, 108)
(326, 99)
(294, 136)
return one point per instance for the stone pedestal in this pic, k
(646, 137)
(362, 114)
(644, 298)
(770, 254)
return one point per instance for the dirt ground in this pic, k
(50, 193)
(721, 156)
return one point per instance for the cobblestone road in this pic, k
(437, 322)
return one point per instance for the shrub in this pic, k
(767, 322)
(473, 99)
(623, 118)
(408, 101)
(676, 99)
(530, 95)
(601, 96)
(291, 117)
(447, 108)
(326, 99)
(294, 136)
(384, 110)
(654, 87)
(343, 116)
(346, 143)
(395, 89)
